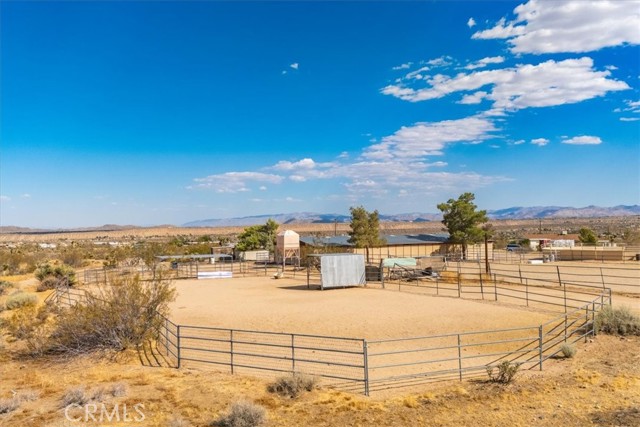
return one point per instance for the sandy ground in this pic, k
(286, 305)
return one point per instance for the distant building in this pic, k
(397, 246)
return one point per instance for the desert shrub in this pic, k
(568, 350)
(21, 299)
(118, 390)
(9, 405)
(27, 395)
(620, 321)
(5, 286)
(2, 307)
(506, 372)
(292, 385)
(121, 315)
(49, 282)
(28, 323)
(76, 396)
(51, 276)
(243, 414)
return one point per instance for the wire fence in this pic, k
(366, 366)
(189, 270)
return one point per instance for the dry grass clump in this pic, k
(9, 405)
(617, 321)
(568, 350)
(76, 396)
(13, 403)
(292, 385)
(243, 414)
(5, 286)
(20, 299)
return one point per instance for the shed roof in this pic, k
(391, 239)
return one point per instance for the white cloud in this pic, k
(629, 119)
(429, 139)
(540, 142)
(568, 26)
(443, 61)
(546, 84)
(485, 61)
(5, 199)
(396, 163)
(583, 140)
(471, 23)
(262, 188)
(25, 196)
(611, 67)
(519, 142)
(301, 164)
(295, 65)
(633, 106)
(474, 98)
(404, 66)
(234, 182)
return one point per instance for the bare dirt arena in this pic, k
(286, 305)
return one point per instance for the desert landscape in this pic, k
(599, 386)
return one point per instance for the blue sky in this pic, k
(165, 112)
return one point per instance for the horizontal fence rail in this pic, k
(365, 366)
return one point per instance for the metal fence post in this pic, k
(178, 344)
(231, 348)
(365, 357)
(540, 344)
(459, 358)
(293, 354)
(559, 278)
(565, 296)
(495, 287)
(565, 328)
(526, 290)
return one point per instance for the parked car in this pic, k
(512, 247)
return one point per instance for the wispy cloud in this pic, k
(583, 140)
(546, 84)
(568, 26)
(485, 61)
(25, 196)
(295, 65)
(540, 142)
(404, 66)
(234, 182)
(5, 198)
(471, 23)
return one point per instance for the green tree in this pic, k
(587, 237)
(462, 221)
(258, 237)
(365, 229)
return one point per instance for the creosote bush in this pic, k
(292, 385)
(52, 276)
(243, 414)
(118, 316)
(506, 372)
(620, 321)
(21, 299)
(568, 350)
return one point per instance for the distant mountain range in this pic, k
(509, 213)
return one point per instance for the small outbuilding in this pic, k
(336, 270)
